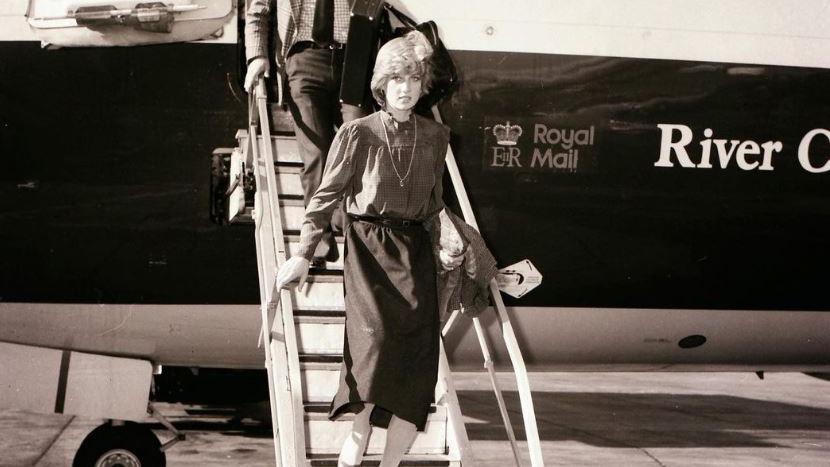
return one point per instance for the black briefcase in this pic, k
(361, 49)
(444, 74)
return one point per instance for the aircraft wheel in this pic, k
(128, 445)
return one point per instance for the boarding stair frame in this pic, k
(302, 359)
(279, 340)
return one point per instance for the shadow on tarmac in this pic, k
(599, 419)
(644, 420)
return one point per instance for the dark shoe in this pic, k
(333, 253)
(327, 248)
(318, 263)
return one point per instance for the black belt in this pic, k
(302, 45)
(387, 221)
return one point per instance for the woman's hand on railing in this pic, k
(295, 269)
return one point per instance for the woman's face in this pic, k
(403, 91)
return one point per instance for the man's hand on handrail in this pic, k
(258, 68)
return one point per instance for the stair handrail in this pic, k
(512, 344)
(278, 331)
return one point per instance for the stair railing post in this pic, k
(253, 147)
(289, 432)
(515, 353)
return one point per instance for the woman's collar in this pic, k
(389, 119)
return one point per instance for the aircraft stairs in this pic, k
(302, 332)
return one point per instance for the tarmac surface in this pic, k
(627, 419)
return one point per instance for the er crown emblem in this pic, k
(507, 134)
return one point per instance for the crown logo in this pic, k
(507, 134)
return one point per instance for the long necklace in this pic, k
(411, 156)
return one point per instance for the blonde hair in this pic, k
(402, 56)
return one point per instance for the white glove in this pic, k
(449, 261)
(295, 269)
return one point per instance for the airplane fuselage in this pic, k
(662, 199)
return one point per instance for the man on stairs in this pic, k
(310, 43)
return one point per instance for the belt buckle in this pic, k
(406, 222)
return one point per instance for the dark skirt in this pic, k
(390, 353)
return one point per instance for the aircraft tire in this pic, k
(130, 444)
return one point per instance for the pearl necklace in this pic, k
(411, 156)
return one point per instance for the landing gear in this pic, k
(127, 445)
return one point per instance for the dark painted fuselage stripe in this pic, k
(113, 207)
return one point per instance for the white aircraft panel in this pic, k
(775, 32)
(28, 377)
(108, 387)
(47, 380)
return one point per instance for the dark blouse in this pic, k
(360, 170)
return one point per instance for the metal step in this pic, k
(324, 436)
(281, 120)
(321, 375)
(285, 147)
(292, 211)
(319, 335)
(410, 460)
(293, 242)
(322, 292)
(288, 179)
(320, 381)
